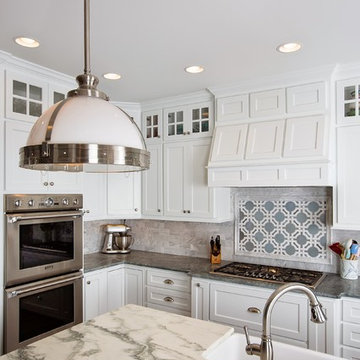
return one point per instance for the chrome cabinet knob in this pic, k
(88, 282)
(159, 210)
(197, 284)
(136, 209)
(188, 211)
(46, 183)
(188, 133)
(184, 211)
(51, 183)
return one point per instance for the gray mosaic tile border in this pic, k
(293, 229)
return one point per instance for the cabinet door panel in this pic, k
(198, 198)
(348, 172)
(232, 108)
(200, 299)
(133, 286)
(115, 290)
(18, 179)
(124, 194)
(267, 103)
(304, 136)
(95, 295)
(152, 126)
(310, 97)
(174, 160)
(229, 143)
(152, 197)
(265, 140)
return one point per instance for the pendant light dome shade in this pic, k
(85, 132)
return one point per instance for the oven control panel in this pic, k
(42, 202)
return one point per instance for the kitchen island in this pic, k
(131, 332)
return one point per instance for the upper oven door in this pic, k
(40, 245)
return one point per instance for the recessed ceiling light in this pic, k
(195, 69)
(112, 76)
(289, 47)
(27, 42)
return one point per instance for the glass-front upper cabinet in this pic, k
(348, 101)
(152, 126)
(58, 93)
(26, 98)
(195, 120)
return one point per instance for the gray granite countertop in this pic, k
(332, 285)
(131, 332)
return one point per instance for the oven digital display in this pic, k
(46, 243)
(45, 311)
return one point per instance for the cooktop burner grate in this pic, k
(273, 274)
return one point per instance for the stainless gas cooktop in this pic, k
(273, 274)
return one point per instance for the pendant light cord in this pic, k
(87, 37)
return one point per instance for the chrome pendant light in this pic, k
(85, 132)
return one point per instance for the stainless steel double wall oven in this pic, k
(43, 266)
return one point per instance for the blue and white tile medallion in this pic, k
(282, 229)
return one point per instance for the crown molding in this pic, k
(345, 71)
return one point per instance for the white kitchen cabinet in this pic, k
(305, 98)
(152, 126)
(265, 140)
(305, 137)
(168, 291)
(152, 183)
(124, 195)
(232, 108)
(348, 101)
(186, 193)
(26, 96)
(192, 121)
(115, 288)
(58, 92)
(267, 103)
(133, 285)
(348, 173)
(95, 294)
(200, 295)
(94, 196)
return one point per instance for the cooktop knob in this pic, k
(75, 201)
(49, 202)
(65, 202)
(17, 203)
(31, 202)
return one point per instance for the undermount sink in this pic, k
(233, 348)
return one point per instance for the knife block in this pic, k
(215, 259)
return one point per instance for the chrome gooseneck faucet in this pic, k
(265, 348)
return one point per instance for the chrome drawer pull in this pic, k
(168, 299)
(254, 310)
(168, 282)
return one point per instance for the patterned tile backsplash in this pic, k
(285, 229)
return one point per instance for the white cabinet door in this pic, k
(152, 184)
(265, 140)
(198, 196)
(95, 294)
(304, 98)
(174, 123)
(115, 289)
(152, 126)
(200, 298)
(133, 286)
(18, 179)
(174, 179)
(348, 174)
(26, 97)
(124, 194)
(232, 108)
(267, 103)
(94, 191)
(348, 101)
(229, 143)
(305, 136)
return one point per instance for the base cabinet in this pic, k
(95, 294)
(350, 339)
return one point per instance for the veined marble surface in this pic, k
(131, 332)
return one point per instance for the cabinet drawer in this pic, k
(169, 298)
(351, 335)
(351, 311)
(237, 306)
(350, 353)
(168, 280)
(168, 309)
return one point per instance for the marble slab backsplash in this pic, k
(192, 238)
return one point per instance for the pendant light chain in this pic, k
(87, 69)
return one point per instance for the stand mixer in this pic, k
(116, 240)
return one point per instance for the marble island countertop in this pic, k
(332, 286)
(131, 332)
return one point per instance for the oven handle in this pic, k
(14, 293)
(16, 218)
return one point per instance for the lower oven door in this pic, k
(41, 308)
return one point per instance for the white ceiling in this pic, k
(149, 42)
